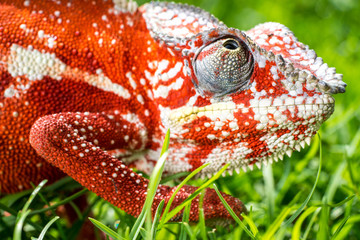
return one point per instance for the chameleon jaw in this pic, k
(219, 125)
(215, 111)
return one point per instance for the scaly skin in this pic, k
(92, 87)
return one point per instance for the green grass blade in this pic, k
(297, 213)
(233, 214)
(106, 229)
(185, 220)
(168, 205)
(165, 146)
(66, 200)
(269, 234)
(20, 219)
(251, 224)
(143, 233)
(58, 225)
(202, 216)
(354, 220)
(19, 224)
(338, 230)
(311, 223)
(153, 184)
(295, 235)
(334, 205)
(33, 195)
(187, 201)
(47, 226)
(270, 190)
(323, 232)
(156, 219)
(8, 209)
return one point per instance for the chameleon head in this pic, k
(259, 95)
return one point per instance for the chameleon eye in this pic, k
(224, 66)
(231, 44)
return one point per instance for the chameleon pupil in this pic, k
(231, 45)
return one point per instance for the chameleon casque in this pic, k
(89, 89)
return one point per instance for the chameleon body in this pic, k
(89, 88)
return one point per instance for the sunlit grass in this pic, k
(305, 215)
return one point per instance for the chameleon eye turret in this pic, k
(224, 66)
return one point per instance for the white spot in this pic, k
(41, 33)
(175, 70)
(131, 80)
(102, 82)
(51, 42)
(34, 64)
(104, 18)
(140, 99)
(211, 136)
(163, 91)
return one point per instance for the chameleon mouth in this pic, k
(302, 107)
(232, 127)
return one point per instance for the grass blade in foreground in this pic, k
(202, 217)
(342, 224)
(167, 208)
(60, 203)
(156, 219)
(106, 229)
(177, 209)
(233, 214)
(297, 213)
(20, 224)
(20, 219)
(185, 220)
(295, 235)
(47, 226)
(153, 184)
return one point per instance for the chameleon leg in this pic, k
(76, 143)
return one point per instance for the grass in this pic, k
(329, 201)
(296, 218)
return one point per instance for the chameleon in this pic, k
(89, 88)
